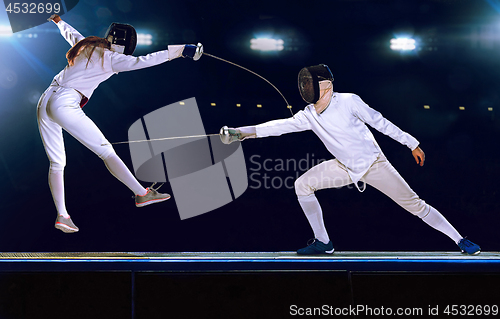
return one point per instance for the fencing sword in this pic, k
(208, 135)
(163, 139)
(260, 76)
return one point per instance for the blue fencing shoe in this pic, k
(468, 247)
(317, 248)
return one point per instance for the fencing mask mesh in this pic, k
(123, 38)
(309, 79)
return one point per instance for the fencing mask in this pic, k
(122, 37)
(309, 79)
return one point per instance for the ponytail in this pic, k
(82, 45)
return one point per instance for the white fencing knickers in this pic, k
(382, 176)
(59, 108)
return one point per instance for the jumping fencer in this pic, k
(339, 120)
(92, 60)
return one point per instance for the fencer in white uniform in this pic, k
(91, 61)
(339, 120)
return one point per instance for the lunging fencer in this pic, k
(339, 120)
(92, 60)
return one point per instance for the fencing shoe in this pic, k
(317, 248)
(65, 224)
(468, 247)
(151, 197)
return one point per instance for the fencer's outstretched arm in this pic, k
(68, 32)
(121, 62)
(297, 123)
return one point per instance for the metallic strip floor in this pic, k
(350, 261)
(269, 256)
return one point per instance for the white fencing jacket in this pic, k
(341, 128)
(85, 78)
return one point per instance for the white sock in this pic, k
(314, 214)
(56, 184)
(119, 170)
(438, 222)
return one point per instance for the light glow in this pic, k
(267, 44)
(403, 44)
(5, 31)
(144, 39)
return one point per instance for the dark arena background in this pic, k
(239, 261)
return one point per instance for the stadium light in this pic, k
(144, 39)
(267, 44)
(403, 44)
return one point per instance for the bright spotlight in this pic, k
(403, 44)
(5, 31)
(266, 44)
(144, 39)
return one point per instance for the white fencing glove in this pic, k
(193, 51)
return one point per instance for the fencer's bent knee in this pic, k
(57, 166)
(105, 152)
(302, 188)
